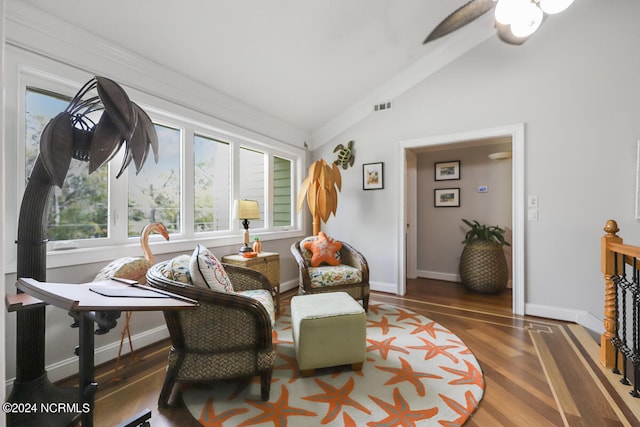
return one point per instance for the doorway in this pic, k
(408, 241)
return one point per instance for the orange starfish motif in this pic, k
(434, 350)
(373, 308)
(336, 398)
(471, 376)
(403, 315)
(406, 373)
(464, 411)
(276, 338)
(399, 413)
(430, 328)
(277, 412)
(209, 418)
(383, 324)
(348, 421)
(290, 364)
(465, 349)
(384, 347)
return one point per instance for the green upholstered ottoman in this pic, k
(329, 329)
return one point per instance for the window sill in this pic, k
(105, 254)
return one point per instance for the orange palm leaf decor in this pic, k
(321, 188)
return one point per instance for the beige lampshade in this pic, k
(246, 209)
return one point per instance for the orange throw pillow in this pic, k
(324, 250)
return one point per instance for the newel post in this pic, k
(607, 350)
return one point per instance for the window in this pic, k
(282, 200)
(252, 185)
(211, 184)
(154, 194)
(204, 165)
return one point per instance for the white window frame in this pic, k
(191, 122)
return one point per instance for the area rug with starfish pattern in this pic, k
(416, 373)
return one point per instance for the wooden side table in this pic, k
(267, 263)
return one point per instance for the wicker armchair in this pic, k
(227, 336)
(349, 257)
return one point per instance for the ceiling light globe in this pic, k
(528, 21)
(554, 6)
(506, 10)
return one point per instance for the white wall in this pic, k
(575, 86)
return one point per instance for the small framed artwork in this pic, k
(446, 197)
(446, 171)
(372, 176)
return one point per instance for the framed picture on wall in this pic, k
(446, 171)
(446, 197)
(372, 178)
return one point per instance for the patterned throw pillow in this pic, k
(206, 271)
(178, 269)
(324, 250)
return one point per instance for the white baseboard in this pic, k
(287, 286)
(436, 275)
(447, 277)
(390, 288)
(68, 367)
(581, 317)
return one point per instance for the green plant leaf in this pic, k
(482, 232)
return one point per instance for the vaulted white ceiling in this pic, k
(310, 63)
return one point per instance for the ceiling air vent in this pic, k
(382, 106)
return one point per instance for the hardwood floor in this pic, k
(538, 372)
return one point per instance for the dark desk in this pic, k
(84, 299)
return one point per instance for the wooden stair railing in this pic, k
(607, 350)
(620, 342)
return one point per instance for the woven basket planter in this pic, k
(483, 267)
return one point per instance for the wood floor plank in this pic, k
(554, 375)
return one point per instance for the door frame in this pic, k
(516, 132)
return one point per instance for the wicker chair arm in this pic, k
(219, 314)
(305, 280)
(244, 279)
(351, 256)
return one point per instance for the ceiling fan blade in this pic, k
(461, 17)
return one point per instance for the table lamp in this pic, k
(245, 210)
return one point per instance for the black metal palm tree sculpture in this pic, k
(72, 134)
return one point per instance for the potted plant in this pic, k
(483, 265)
